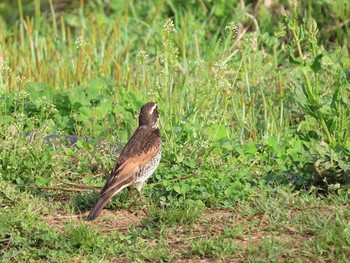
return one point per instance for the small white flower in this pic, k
(220, 66)
(169, 27)
(142, 56)
(23, 95)
(22, 80)
(199, 62)
(232, 27)
(80, 42)
(151, 93)
(252, 39)
(5, 68)
(204, 144)
(224, 84)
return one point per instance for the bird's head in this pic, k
(149, 115)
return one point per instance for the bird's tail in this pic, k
(98, 207)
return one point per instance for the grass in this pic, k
(254, 115)
(279, 225)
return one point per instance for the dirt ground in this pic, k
(255, 229)
(107, 221)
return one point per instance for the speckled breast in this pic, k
(146, 171)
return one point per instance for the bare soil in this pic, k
(212, 224)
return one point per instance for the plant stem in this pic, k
(325, 128)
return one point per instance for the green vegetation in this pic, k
(253, 100)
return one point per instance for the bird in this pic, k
(137, 161)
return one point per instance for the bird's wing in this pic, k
(140, 149)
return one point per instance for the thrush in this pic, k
(137, 161)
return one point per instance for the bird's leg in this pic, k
(132, 195)
(140, 196)
(138, 189)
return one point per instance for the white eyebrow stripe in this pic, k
(152, 109)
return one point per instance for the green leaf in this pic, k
(84, 114)
(301, 32)
(191, 163)
(218, 132)
(347, 145)
(42, 181)
(4, 230)
(250, 148)
(79, 95)
(272, 142)
(103, 110)
(131, 101)
(182, 189)
(179, 158)
(316, 65)
(185, 188)
(40, 90)
(177, 189)
(83, 144)
(292, 59)
(19, 181)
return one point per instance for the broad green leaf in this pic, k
(316, 65)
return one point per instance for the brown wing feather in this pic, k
(142, 146)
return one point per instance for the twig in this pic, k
(75, 185)
(177, 179)
(253, 19)
(246, 219)
(118, 229)
(55, 188)
(63, 217)
(84, 186)
(64, 173)
(262, 220)
(194, 237)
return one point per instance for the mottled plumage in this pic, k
(138, 160)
